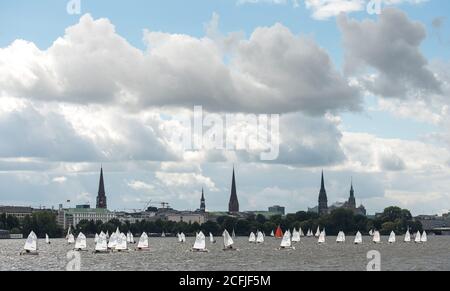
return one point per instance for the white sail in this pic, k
(424, 237)
(358, 238)
(234, 234)
(107, 235)
(143, 241)
(322, 236)
(31, 243)
(71, 239)
(69, 231)
(112, 241)
(341, 237)
(211, 238)
(318, 232)
(418, 238)
(301, 233)
(376, 237)
(272, 234)
(200, 242)
(286, 241)
(96, 238)
(392, 238)
(47, 239)
(121, 244)
(310, 233)
(132, 238)
(80, 244)
(371, 232)
(295, 236)
(252, 238)
(163, 234)
(407, 236)
(260, 237)
(128, 237)
(101, 245)
(227, 240)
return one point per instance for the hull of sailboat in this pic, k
(199, 251)
(29, 254)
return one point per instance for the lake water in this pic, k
(168, 254)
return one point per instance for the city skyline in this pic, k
(358, 95)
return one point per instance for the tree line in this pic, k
(391, 219)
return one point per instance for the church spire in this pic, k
(323, 200)
(101, 198)
(352, 200)
(202, 202)
(233, 205)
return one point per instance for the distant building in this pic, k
(323, 200)
(186, 216)
(233, 205)
(73, 216)
(16, 211)
(277, 210)
(435, 223)
(101, 198)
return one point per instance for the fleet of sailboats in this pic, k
(119, 241)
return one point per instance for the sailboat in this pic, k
(128, 238)
(424, 237)
(234, 234)
(377, 237)
(252, 238)
(181, 238)
(80, 244)
(112, 241)
(228, 242)
(322, 237)
(418, 238)
(309, 233)
(101, 246)
(31, 246)
(295, 236)
(47, 239)
(407, 236)
(211, 238)
(260, 238)
(200, 243)
(272, 234)
(286, 242)
(121, 244)
(96, 238)
(143, 243)
(371, 232)
(392, 238)
(68, 232)
(301, 233)
(279, 233)
(341, 237)
(163, 234)
(71, 239)
(358, 238)
(318, 231)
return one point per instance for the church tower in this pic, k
(323, 200)
(101, 198)
(352, 201)
(202, 202)
(233, 205)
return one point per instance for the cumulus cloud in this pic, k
(92, 64)
(391, 47)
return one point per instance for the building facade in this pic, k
(16, 211)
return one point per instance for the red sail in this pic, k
(279, 233)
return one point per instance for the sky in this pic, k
(361, 94)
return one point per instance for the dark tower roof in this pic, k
(323, 199)
(101, 198)
(352, 200)
(202, 202)
(233, 205)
